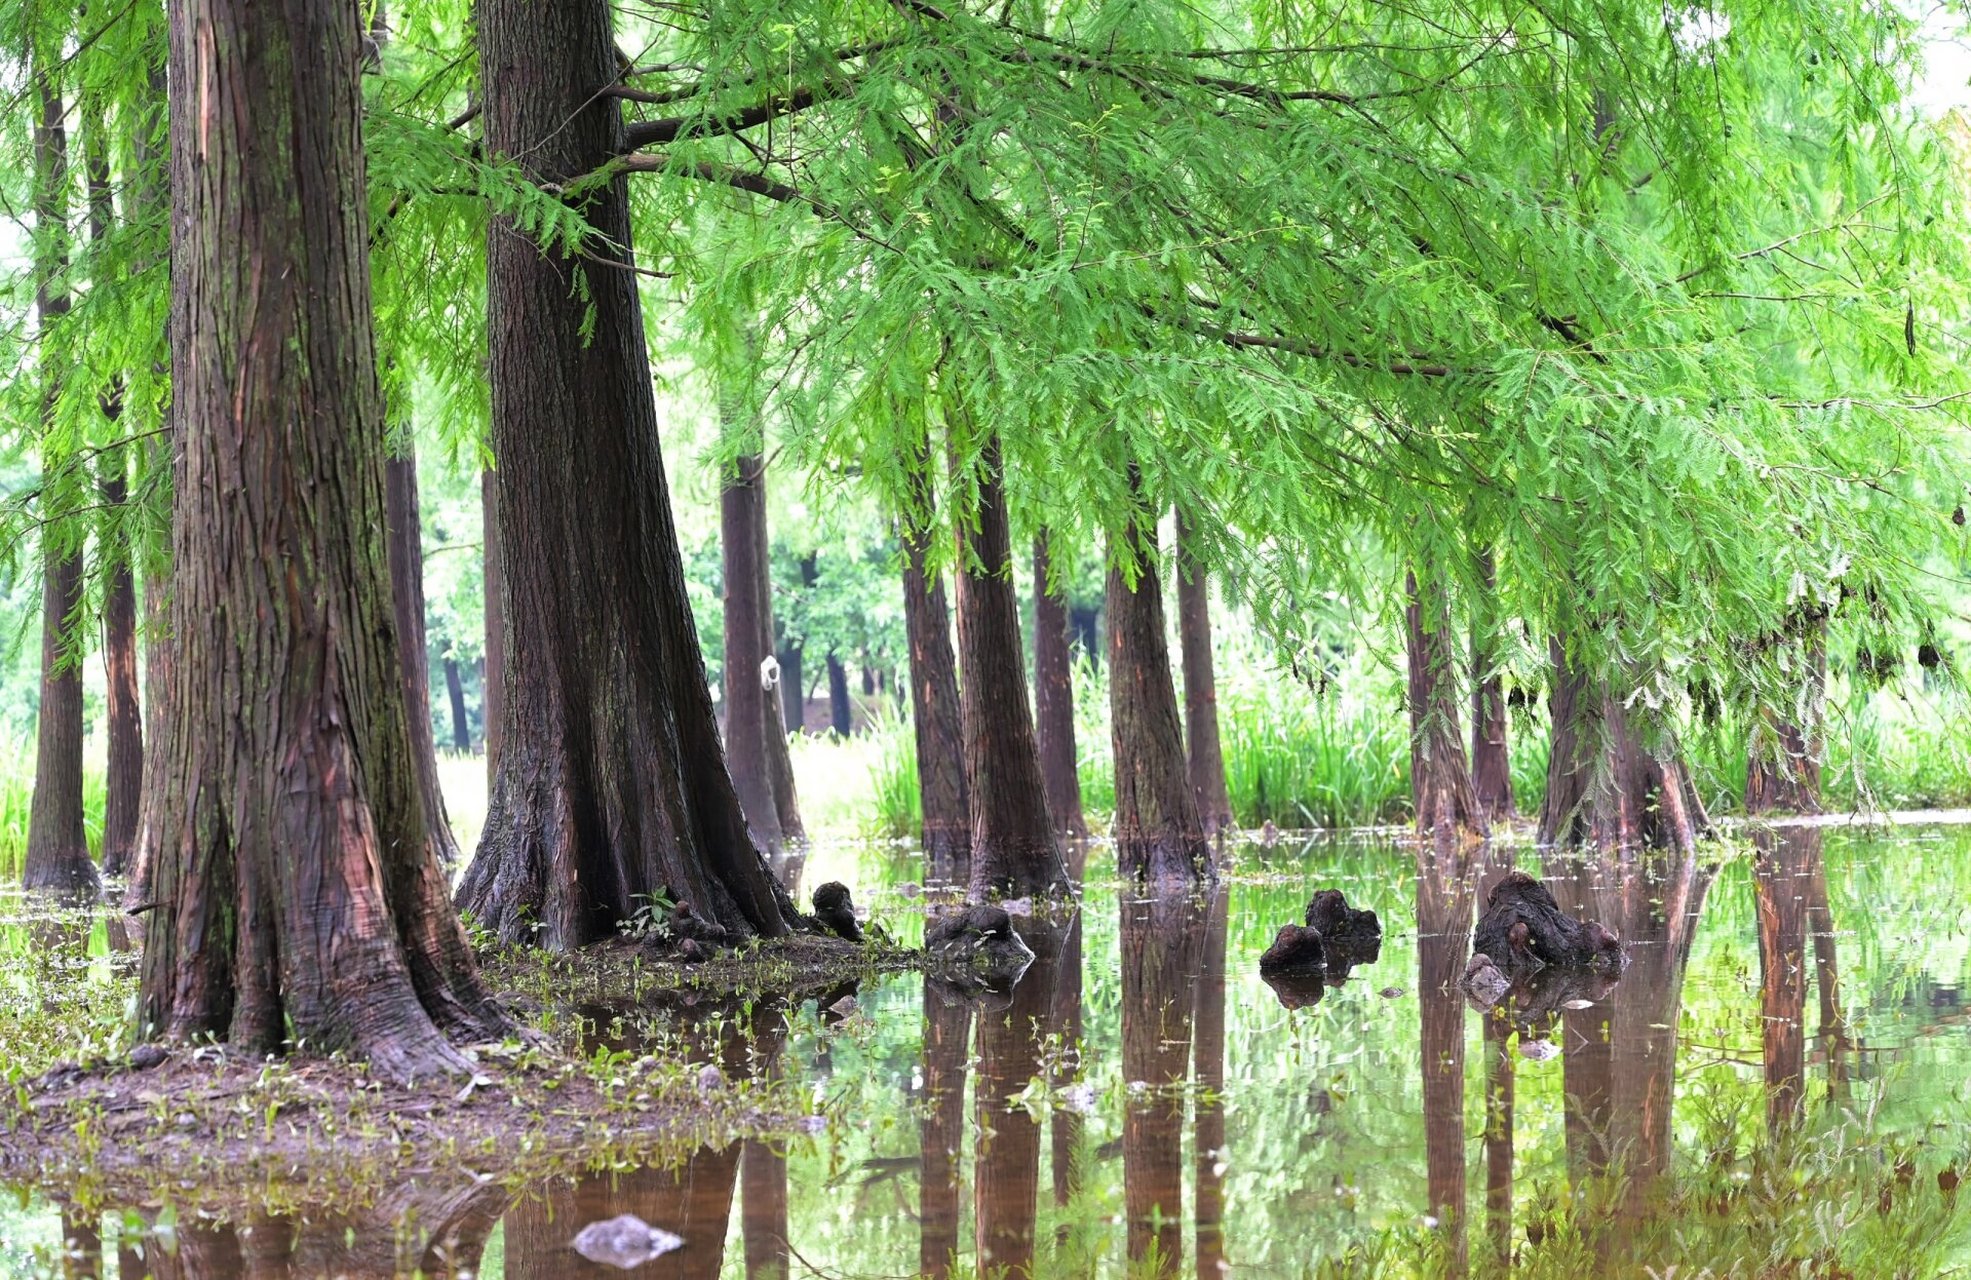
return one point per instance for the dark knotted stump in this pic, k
(1524, 930)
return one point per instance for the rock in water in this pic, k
(1295, 949)
(624, 1241)
(836, 912)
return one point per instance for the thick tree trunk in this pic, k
(1207, 757)
(742, 510)
(455, 695)
(493, 685)
(793, 688)
(1783, 772)
(612, 786)
(1440, 781)
(1053, 698)
(780, 761)
(1603, 788)
(1491, 766)
(300, 897)
(405, 540)
(841, 712)
(1782, 876)
(1159, 838)
(1014, 848)
(934, 701)
(123, 803)
(57, 851)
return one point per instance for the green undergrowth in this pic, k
(17, 796)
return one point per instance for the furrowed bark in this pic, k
(300, 898)
(1603, 788)
(612, 786)
(455, 696)
(934, 702)
(405, 542)
(1444, 919)
(1014, 848)
(57, 859)
(1491, 766)
(742, 502)
(1440, 781)
(123, 801)
(1207, 757)
(1053, 697)
(1159, 838)
(493, 685)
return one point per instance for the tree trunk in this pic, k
(1159, 838)
(1014, 848)
(405, 540)
(301, 899)
(1053, 698)
(492, 685)
(57, 850)
(841, 712)
(1207, 758)
(934, 702)
(742, 509)
(780, 762)
(455, 694)
(1491, 766)
(1782, 873)
(1783, 772)
(1603, 788)
(123, 804)
(793, 688)
(1440, 781)
(612, 786)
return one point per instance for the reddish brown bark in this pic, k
(742, 514)
(934, 702)
(405, 542)
(493, 683)
(612, 786)
(1440, 780)
(1014, 848)
(1783, 772)
(1603, 787)
(1162, 939)
(1053, 698)
(1207, 757)
(1159, 838)
(300, 898)
(780, 762)
(1491, 764)
(123, 803)
(57, 858)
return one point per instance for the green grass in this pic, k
(17, 798)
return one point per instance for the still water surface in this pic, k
(1773, 1087)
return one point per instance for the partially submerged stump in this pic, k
(1349, 935)
(836, 911)
(1297, 989)
(1296, 949)
(976, 949)
(1524, 930)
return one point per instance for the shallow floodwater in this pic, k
(1777, 1085)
